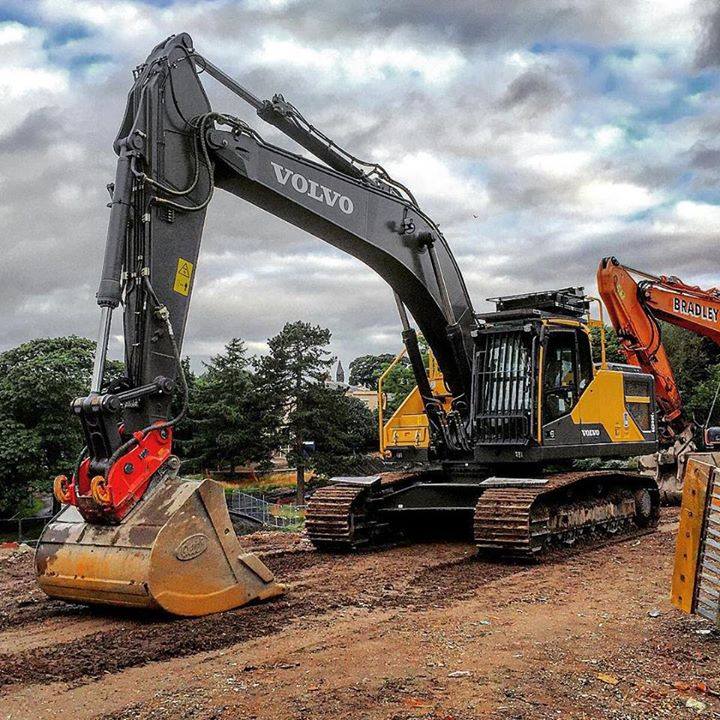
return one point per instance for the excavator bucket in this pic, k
(176, 551)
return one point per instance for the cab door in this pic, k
(560, 389)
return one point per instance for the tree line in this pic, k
(244, 409)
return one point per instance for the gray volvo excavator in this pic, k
(527, 398)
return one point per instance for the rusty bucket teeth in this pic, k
(176, 551)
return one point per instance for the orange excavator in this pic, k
(636, 302)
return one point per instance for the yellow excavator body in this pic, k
(176, 551)
(408, 427)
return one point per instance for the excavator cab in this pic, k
(712, 438)
(711, 432)
(538, 396)
(567, 370)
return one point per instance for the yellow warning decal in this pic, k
(183, 276)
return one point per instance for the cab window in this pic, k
(559, 381)
(585, 365)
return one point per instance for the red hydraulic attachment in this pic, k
(635, 306)
(108, 499)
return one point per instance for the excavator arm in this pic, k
(636, 302)
(174, 151)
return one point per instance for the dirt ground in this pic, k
(425, 631)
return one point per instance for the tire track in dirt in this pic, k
(21, 600)
(411, 576)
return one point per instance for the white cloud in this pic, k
(607, 136)
(559, 164)
(27, 80)
(602, 198)
(436, 185)
(697, 213)
(361, 64)
(69, 194)
(18, 82)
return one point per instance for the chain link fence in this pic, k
(278, 516)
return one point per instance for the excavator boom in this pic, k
(639, 334)
(636, 302)
(636, 305)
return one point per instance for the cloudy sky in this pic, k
(540, 134)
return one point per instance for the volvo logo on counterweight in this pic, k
(312, 189)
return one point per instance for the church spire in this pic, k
(340, 373)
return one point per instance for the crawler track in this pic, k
(518, 521)
(335, 518)
(339, 517)
(584, 507)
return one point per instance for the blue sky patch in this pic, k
(60, 35)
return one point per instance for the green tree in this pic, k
(367, 369)
(343, 428)
(691, 357)
(297, 362)
(23, 465)
(696, 363)
(39, 438)
(698, 405)
(397, 386)
(231, 421)
(694, 360)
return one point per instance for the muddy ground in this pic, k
(426, 631)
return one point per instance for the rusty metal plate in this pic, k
(696, 481)
(708, 579)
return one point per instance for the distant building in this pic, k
(366, 395)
